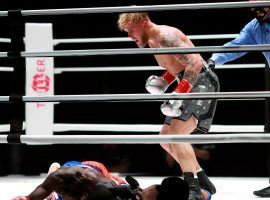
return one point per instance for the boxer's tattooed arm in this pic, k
(190, 76)
(191, 70)
(190, 61)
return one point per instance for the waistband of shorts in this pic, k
(205, 66)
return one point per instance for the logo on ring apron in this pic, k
(41, 83)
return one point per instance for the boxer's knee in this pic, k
(181, 127)
(165, 129)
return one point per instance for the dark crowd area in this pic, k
(217, 160)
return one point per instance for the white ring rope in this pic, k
(149, 128)
(63, 127)
(141, 139)
(127, 39)
(146, 68)
(59, 70)
(197, 6)
(6, 69)
(143, 97)
(202, 49)
(128, 51)
(5, 40)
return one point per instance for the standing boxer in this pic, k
(183, 117)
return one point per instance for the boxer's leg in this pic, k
(184, 153)
(207, 82)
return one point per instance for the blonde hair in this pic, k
(128, 18)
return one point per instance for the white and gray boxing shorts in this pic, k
(202, 110)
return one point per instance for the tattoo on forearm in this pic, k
(190, 76)
(191, 71)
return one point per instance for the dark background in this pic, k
(225, 160)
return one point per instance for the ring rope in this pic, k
(142, 97)
(149, 128)
(175, 50)
(202, 49)
(127, 39)
(146, 68)
(5, 40)
(148, 97)
(6, 69)
(138, 139)
(60, 70)
(197, 6)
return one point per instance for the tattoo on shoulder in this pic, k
(170, 39)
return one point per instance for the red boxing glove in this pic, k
(183, 87)
(168, 77)
(21, 198)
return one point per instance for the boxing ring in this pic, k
(231, 188)
(38, 132)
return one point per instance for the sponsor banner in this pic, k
(39, 79)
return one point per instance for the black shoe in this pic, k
(265, 192)
(194, 187)
(205, 183)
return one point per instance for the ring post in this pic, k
(16, 32)
(39, 79)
